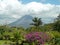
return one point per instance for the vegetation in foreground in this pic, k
(38, 34)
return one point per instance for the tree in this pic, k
(36, 23)
(58, 18)
(56, 25)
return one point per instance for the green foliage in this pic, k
(48, 27)
(15, 35)
(58, 17)
(55, 35)
(36, 22)
(56, 26)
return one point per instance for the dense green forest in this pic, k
(37, 34)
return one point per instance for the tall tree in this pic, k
(36, 22)
(58, 18)
(56, 25)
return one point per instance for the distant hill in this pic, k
(23, 21)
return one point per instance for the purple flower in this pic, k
(41, 37)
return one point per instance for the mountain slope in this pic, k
(24, 21)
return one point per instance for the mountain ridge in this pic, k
(23, 22)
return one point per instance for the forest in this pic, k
(37, 34)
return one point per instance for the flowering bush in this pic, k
(38, 37)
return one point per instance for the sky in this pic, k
(12, 10)
(57, 2)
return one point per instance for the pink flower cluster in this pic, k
(39, 37)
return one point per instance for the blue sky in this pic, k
(57, 2)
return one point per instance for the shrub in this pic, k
(37, 37)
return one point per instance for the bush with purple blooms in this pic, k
(37, 37)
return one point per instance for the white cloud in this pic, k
(15, 9)
(15, 16)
